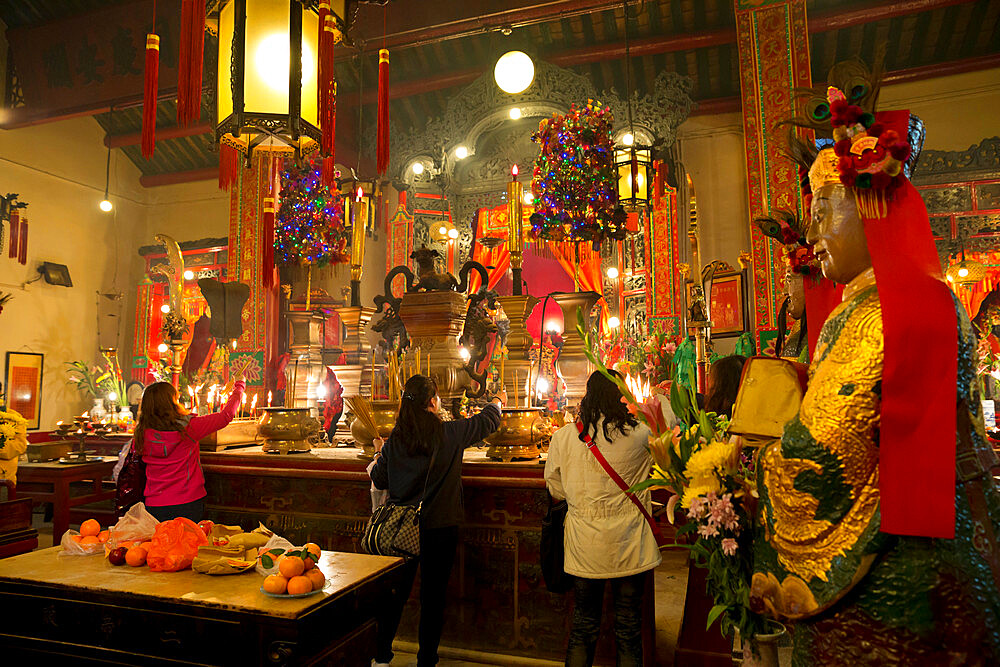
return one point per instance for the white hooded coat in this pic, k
(605, 536)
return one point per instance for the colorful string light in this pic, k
(574, 182)
(310, 226)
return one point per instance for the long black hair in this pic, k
(724, 384)
(604, 399)
(417, 429)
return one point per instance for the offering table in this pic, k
(85, 609)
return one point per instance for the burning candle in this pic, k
(269, 398)
(253, 405)
(515, 237)
(243, 405)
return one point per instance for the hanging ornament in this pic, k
(309, 225)
(382, 149)
(15, 234)
(22, 255)
(189, 65)
(229, 165)
(267, 236)
(151, 81)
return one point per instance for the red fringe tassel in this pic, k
(192, 47)
(15, 234)
(228, 166)
(267, 268)
(151, 80)
(22, 253)
(382, 148)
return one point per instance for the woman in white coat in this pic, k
(606, 538)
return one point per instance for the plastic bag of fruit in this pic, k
(89, 540)
(137, 525)
(175, 544)
(270, 553)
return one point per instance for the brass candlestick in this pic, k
(358, 235)
(516, 226)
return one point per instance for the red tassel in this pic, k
(328, 175)
(22, 255)
(267, 267)
(15, 233)
(151, 77)
(382, 149)
(192, 46)
(228, 166)
(328, 87)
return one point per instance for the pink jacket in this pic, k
(173, 464)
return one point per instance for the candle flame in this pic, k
(639, 389)
(361, 193)
(513, 171)
(269, 399)
(253, 403)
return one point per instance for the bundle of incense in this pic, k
(515, 387)
(362, 408)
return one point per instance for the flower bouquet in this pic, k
(712, 483)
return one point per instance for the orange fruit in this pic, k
(147, 546)
(291, 566)
(276, 584)
(90, 539)
(103, 536)
(308, 562)
(299, 585)
(312, 548)
(90, 527)
(126, 543)
(136, 556)
(317, 578)
(76, 538)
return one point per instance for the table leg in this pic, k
(60, 509)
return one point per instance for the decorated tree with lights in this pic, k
(310, 229)
(574, 182)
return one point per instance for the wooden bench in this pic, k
(16, 534)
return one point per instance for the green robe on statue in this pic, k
(854, 594)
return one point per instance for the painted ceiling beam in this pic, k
(172, 132)
(174, 177)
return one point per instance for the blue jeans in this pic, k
(588, 601)
(194, 510)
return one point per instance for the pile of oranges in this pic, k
(90, 533)
(298, 573)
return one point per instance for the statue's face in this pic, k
(796, 294)
(838, 233)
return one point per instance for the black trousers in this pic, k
(437, 556)
(588, 600)
(194, 510)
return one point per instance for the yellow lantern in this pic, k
(268, 61)
(634, 166)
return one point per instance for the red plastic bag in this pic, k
(175, 545)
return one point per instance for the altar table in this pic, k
(83, 609)
(50, 483)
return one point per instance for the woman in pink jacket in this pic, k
(168, 439)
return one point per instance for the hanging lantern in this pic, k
(965, 272)
(268, 78)
(635, 169)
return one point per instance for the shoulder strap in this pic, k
(619, 481)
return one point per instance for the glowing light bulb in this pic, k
(962, 272)
(514, 113)
(442, 230)
(165, 308)
(453, 234)
(628, 139)
(272, 62)
(542, 385)
(320, 391)
(552, 325)
(418, 168)
(464, 353)
(162, 347)
(514, 72)
(105, 205)
(189, 275)
(612, 272)
(112, 396)
(614, 322)
(529, 199)
(461, 152)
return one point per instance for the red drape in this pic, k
(589, 272)
(491, 223)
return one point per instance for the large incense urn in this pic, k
(522, 433)
(434, 323)
(288, 430)
(573, 366)
(384, 413)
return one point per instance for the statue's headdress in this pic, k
(787, 229)
(873, 153)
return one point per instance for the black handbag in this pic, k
(394, 530)
(131, 487)
(552, 549)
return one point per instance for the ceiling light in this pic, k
(461, 153)
(529, 198)
(453, 233)
(628, 139)
(442, 230)
(418, 168)
(105, 205)
(612, 272)
(189, 275)
(614, 322)
(514, 72)
(514, 113)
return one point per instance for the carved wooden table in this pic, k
(50, 483)
(87, 610)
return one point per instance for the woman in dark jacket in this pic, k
(404, 466)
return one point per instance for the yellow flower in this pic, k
(699, 487)
(716, 458)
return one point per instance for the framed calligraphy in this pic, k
(23, 385)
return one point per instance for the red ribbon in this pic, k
(822, 296)
(919, 377)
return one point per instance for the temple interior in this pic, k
(262, 227)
